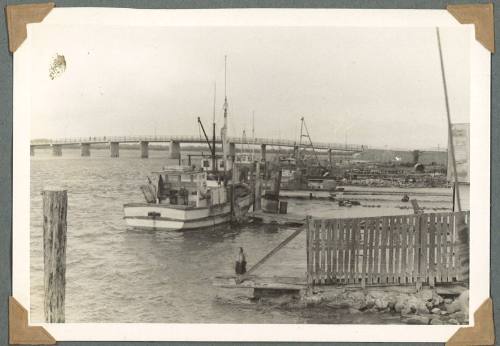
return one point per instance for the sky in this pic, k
(380, 87)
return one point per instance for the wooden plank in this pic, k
(317, 268)
(365, 255)
(341, 231)
(404, 249)
(355, 250)
(308, 252)
(439, 234)
(432, 249)
(398, 245)
(383, 249)
(335, 240)
(390, 272)
(375, 267)
(322, 258)
(369, 251)
(416, 249)
(446, 249)
(270, 254)
(424, 253)
(352, 259)
(453, 257)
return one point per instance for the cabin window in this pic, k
(206, 164)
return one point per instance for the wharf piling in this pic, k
(114, 148)
(55, 206)
(85, 149)
(144, 150)
(258, 187)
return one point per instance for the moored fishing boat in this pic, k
(183, 199)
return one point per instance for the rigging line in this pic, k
(452, 148)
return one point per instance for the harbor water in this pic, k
(117, 274)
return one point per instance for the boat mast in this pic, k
(214, 161)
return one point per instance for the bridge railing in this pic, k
(192, 139)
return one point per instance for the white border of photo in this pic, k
(479, 166)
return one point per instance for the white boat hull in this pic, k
(164, 217)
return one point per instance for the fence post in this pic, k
(418, 230)
(463, 246)
(308, 254)
(55, 206)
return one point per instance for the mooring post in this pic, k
(258, 193)
(55, 206)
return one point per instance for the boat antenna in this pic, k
(253, 134)
(214, 160)
(224, 128)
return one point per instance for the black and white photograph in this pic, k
(277, 174)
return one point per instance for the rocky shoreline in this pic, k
(425, 307)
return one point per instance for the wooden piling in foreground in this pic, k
(55, 206)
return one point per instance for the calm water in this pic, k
(115, 274)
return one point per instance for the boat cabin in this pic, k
(184, 186)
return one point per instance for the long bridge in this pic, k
(175, 142)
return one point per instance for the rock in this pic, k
(463, 301)
(426, 294)
(381, 303)
(448, 301)
(399, 306)
(452, 321)
(417, 320)
(437, 321)
(354, 311)
(436, 311)
(453, 307)
(436, 299)
(429, 305)
(460, 316)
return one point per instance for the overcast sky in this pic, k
(372, 86)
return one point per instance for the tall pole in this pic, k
(461, 227)
(450, 132)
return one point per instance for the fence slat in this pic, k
(383, 249)
(375, 267)
(432, 249)
(341, 249)
(335, 240)
(439, 235)
(404, 243)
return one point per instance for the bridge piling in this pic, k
(56, 150)
(85, 149)
(174, 150)
(114, 148)
(144, 150)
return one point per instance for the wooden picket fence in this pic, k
(403, 249)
